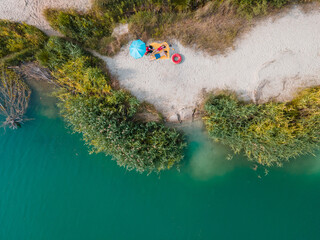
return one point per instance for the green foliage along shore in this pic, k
(19, 42)
(87, 29)
(141, 146)
(106, 117)
(269, 133)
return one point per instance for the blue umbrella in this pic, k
(137, 49)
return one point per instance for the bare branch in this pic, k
(14, 98)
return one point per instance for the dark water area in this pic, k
(52, 188)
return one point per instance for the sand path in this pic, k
(30, 11)
(274, 59)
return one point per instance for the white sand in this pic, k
(30, 11)
(273, 60)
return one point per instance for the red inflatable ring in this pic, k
(176, 58)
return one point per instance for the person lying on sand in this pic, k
(161, 54)
(161, 48)
(149, 49)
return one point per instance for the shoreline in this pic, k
(274, 60)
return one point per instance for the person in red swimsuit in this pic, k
(149, 49)
(161, 47)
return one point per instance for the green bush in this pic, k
(144, 24)
(140, 146)
(15, 59)
(269, 133)
(106, 117)
(18, 42)
(58, 52)
(118, 10)
(84, 28)
(252, 8)
(76, 70)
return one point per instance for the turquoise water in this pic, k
(51, 188)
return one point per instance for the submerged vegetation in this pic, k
(14, 98)
(269, 133)
(18, 43)
(106, 117)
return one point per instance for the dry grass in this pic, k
(110, 46)
(310, 6)
(148, 113)
(36, 72)
(212, 29)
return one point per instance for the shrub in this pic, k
(268, 133)
(116, 10)
(144, 24)
(19, 42)
(78, 77)
(15, 59)
(252, 8)
(84, 28)
(141, 146)
(75, 70)
(58, 52)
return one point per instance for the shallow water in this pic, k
(51, 188)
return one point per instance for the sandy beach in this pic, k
(272, 61)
